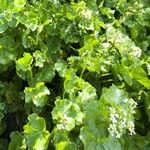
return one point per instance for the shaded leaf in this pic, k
(45, 74)
(3, 24)
(17, 141)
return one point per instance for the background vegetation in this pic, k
(74, 74)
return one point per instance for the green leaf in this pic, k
(111, 3)
(17, 141)
(83, 65)
(61, 67)
(19, 3)
(3, 127)
(136, 142)
(45, 74)
(8, 49)
(71, 81)
(40, 58)
(144, 16)
(86, 92)
(114, 95)
(66, 145)
(3, 144)
(23, 65)
(3, 24)
(29, 18)
(75, 85)
(60, 135)
(91, 141)
(94, 133)
(37, 94)
(67, 114)
(62, 141)
(13, 23)
(132, 72)
(27, 39)
(147, 103)
(140, 75)
(36, 135)
(122, 42)
(2, 109)
(121, 111)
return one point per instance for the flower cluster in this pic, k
(87, 14)
(122, 119)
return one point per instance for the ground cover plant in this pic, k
(74, 74)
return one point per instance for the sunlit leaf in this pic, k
(19, 3)
(23, 65)
(67, 114)
(36, 135)
(38, 94)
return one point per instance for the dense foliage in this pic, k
(74, 74)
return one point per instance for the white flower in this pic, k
(113, 119)
(118, 135)
(87, 13)
(112, 129)
(131, 127)
(137, 52)
(112, 110)
(125, 100)
(123, 123)
(116, 115)
(121, 119)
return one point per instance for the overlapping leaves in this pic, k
(38, 94)
(94, 58)
(36, 135)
